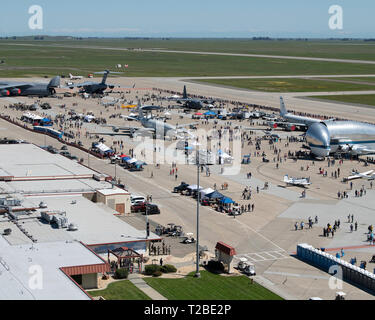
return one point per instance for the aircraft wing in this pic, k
(14, 85)
(356, 149)
(186, 124)
(79, 85)
(129, 118)
(111, 86)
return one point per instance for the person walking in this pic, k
(351, 228)
(356, 226)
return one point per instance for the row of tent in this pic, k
(208, 113)
(211, 194)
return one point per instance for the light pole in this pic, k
(197, 274)
(116, 170)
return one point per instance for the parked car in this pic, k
(139, 206)
(65, 153)
(73, 157)
(151, 209)
(145, 207)
(134, 199)
(182, 187)
(52, 150)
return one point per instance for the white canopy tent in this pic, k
(206, 191)
(102, 147)
(194, 187)
(132, 160)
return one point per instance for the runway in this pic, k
(229, 54)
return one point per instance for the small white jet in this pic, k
(302, 182)
(75, 77)
(365, 175)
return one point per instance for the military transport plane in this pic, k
(192, 103)
(96, 87)
(292, 122)
(299, 182)
(157, 127)
(29, 88)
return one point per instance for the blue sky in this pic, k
(190, 18)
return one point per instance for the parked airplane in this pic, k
(29, 88)
(357, 175)
(350, 137)
(96, 87)
(192, 103)
(300, 182)
(173, 97)
(157, 127)
(292, 122)
(110, 103)
(75, 77)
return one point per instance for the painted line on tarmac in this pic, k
(262, 236)
(297, 275)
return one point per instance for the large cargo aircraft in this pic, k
(29, 88)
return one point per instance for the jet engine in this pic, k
(5, 93)
(15, 92)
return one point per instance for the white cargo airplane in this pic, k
(75, 77)
(296, 181)
(365, 175)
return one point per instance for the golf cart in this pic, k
(173, 230)
(340, 295)
(246, 267)
(189, 238)
(177, 232)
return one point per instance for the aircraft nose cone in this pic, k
(318, 138)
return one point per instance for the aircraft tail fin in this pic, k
(184, 96)
(283, 110)
(286, 178)
(105, 76)
(140, 110)
(54, 83)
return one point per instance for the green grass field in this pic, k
(121, 290)
(21, 59)
(211, 287)
(290, 85)
(365, 99)
(356, 49)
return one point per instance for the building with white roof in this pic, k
(83, 206)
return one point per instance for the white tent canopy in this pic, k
(102, 147)
(32, 116)
(194, 187)
(89, 118)
(132, 160)
(206, 191)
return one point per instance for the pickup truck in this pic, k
(143, 207)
